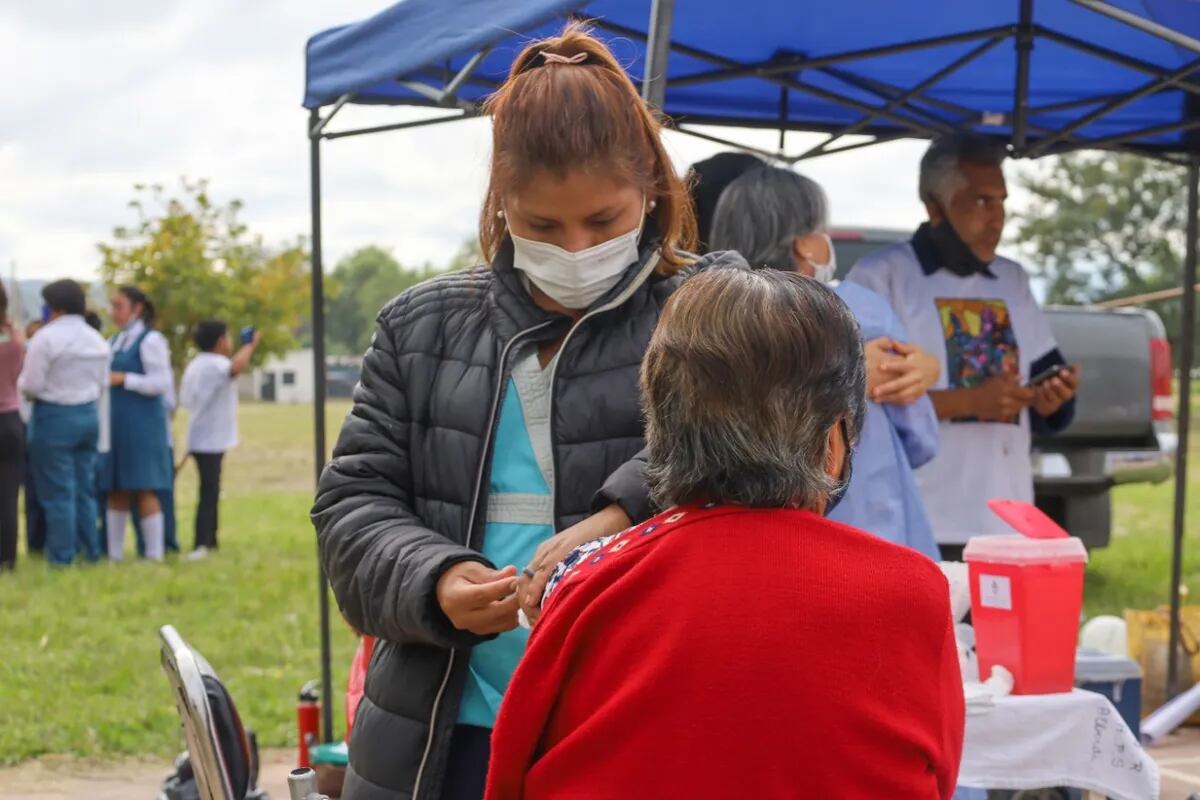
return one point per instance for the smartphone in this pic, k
(1047, 374)
(248, 334)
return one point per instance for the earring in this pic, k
(500, 214)
(653, 204)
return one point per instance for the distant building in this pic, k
(289, 379)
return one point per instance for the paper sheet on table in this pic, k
(1076, 739)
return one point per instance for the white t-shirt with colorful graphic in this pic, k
(978, 326)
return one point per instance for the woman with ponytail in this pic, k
(495, 407)
(138, 465)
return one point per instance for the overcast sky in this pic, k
(101, 95)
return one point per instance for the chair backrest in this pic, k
(216, 740)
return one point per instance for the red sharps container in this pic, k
(1026, 595)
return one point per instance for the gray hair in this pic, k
(940, 175)
(764, 211)
(744, 377)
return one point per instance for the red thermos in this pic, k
(308, 720)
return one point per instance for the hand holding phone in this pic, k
(1047, 374)
(1053, 388)
(248, 334)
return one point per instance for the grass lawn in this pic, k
(79, 671)
(1134, 571)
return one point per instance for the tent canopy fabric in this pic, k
(810, 66)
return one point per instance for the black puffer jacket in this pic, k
(404, 497)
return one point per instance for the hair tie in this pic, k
(557, 58)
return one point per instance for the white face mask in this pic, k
(576, 280)
(826, 272)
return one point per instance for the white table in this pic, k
(1035, 741)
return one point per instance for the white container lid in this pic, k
(1016, 549)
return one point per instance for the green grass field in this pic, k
(1135, 570)
(79, 672)
(79, 669)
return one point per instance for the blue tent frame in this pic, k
(455, 62)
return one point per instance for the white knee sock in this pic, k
(115, 522)
(152, 532)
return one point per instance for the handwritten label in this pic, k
(1110, 738)
(995, 591)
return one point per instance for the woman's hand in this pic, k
(479, 599)
(534, 577)
(117, 379)
(915, 371)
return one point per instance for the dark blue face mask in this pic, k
(837, 494)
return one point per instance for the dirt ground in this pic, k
(1179, 764)
(71, 779)
(56, 778)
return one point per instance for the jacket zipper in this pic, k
(651, 264)
(437, 701)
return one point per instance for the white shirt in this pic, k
(156, 360)
(999, 327)
(171, 403)
(209, 393)
(66, 363)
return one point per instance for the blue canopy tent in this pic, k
(1043, 76)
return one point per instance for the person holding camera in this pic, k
(209, 393)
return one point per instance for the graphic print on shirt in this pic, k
(980, 342)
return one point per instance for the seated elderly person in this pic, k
(741, 644)
(778, 219)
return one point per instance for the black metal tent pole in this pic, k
(916, 126)
(1147, 89)
(708, 137)
(398, 126)
(315, 124)
(658, 49)
(1024, 42)
(1186, 357)
(1141, 23)
(904, 97)
(730, 69)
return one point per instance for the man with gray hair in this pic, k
(1002, 373)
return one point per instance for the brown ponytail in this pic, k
(583, 113)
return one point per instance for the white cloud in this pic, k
(139, 91)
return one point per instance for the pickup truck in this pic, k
(1124, 417)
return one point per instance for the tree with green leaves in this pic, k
(1103, 225)
(364, 281)
(196, 260)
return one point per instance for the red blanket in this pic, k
(737, 653)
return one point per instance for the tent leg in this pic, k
(658, 48)
(318, 346)
(1186, 357)
(1024, 42)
